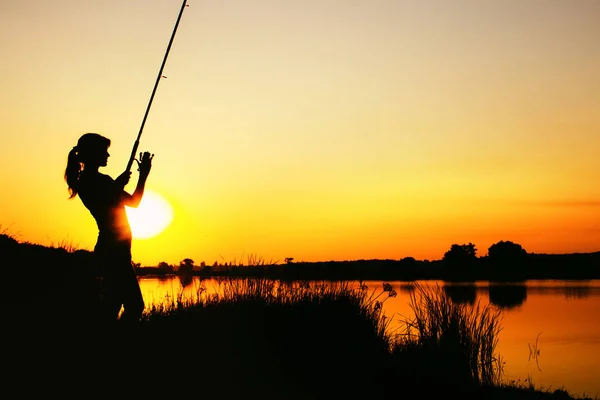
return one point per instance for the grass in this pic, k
(463, 336)
(259, 338)
(254, 338)
(312, 339)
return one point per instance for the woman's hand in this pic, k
(145, 163)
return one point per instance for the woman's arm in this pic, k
(145, 164)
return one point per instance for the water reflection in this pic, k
(578, 292)
(569, 289)
(507, 296)
(185, 280)
(405, 288)
(462, 294)
(504, 296)
(565, 311)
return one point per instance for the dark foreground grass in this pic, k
(266, 340)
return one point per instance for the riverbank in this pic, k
(528, 267)
(256, 340)
(305, 343)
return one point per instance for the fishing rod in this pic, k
(160, 75)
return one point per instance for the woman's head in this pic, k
(92, 148)
(91, 151)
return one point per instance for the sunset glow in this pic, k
(318, 130)
(151, 217)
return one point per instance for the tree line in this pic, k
(504, 260)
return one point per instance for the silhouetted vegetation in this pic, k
(505, 261)
(272, 339)
(506, 253)
(462, 335)
(461, 257)
(255, 338)
(52, 276)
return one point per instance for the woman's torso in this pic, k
(104, 199)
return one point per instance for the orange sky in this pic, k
(319, 130)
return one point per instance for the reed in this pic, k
(444, 342)
(273, 339)
(458, 339)
(312, 336)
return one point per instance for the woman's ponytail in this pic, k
(72, 172)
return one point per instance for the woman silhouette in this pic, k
(106, 199)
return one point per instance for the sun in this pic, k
(151, 217)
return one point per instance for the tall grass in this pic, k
(311, 339)
(291, 294)
(309, 336)
(459, 339)
(446, 342)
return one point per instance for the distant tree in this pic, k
(165, 267)
(507, 257)
(289, 260)
(408, 262)
(461, 254)
(186, 262)
(186, 265)
(506, 251)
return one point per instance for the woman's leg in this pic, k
(110, 300)
(120, 283)
(131, 295)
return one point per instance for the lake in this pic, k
(550, 328)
